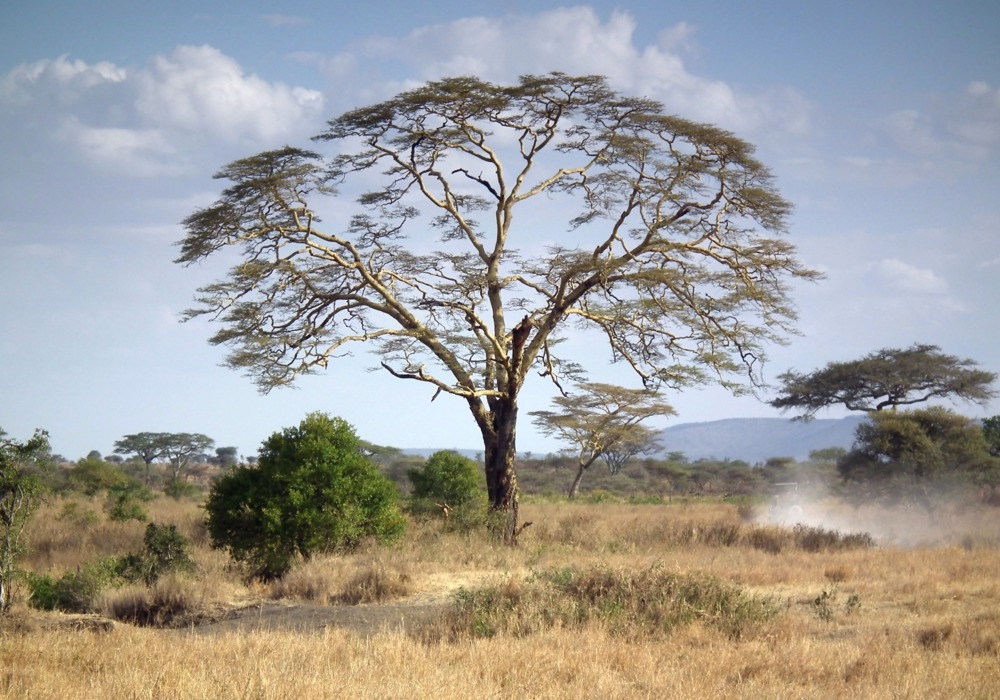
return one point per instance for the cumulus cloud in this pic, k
(576, 41)
(200, 89)
(903, 277)
(60, 79)
(141, 121)
(966, 125)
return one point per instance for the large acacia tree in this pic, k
(670, 248)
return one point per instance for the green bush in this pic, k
(311, 491)
(92, 476)
(165, 550)
(74, 591)
(125, 501)
(447, 478)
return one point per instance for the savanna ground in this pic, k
(689, 599)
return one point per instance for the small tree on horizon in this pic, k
(603, 421)
(181, 449)
(148, 447)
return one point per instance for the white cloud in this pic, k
(200, 89)
(59, 78)
(143, 121)
(963, 126)
(909, 279)
(575, 41)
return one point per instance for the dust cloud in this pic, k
(904, 518)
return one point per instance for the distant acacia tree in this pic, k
(226, 456)
(885, 378)
(603, 421)
(148, 447)
(19, 497)
(670, 251)
(181, 449)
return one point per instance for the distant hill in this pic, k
(752, 440)
(756, 439)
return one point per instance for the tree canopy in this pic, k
(603, 421)
(886, 378)
(671, 247)
(918, 454)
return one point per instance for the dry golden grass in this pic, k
(917, 622)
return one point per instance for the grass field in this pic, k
(609, 600)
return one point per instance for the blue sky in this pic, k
(881, 122)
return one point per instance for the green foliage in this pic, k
(165, 550)
(922, 443)
(125, 501)
(93, 476)
(177, 489)
(74, 591)
(447, 478)
(311, 491)
(226, 456)
(916, 456)
(991, 433)
(19, 498)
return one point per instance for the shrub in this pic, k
(165, 550)
(125, 501)
(162, 605)
(74, 591)
(92, 476)
(376, 584)
(447, 478)
(311, 491)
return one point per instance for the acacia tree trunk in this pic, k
(575, 486)
(500, 440)
(501, 475)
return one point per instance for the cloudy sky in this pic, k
(882, 127)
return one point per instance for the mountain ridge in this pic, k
(751, 440)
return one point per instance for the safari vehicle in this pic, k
(786, 506)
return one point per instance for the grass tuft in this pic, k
(648, 603)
